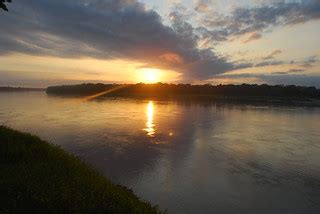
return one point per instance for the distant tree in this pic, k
(3, 4)
(204, 91)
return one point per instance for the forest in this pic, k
(172, 90)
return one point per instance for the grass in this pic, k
(38, 177)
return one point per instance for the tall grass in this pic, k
(38, 177)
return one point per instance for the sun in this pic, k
(149, 75)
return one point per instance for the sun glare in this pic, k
(150, 127)
(149, 75)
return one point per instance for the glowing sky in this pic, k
(45, 42)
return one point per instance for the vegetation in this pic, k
(83, 89)
(37, 177)
(162, 90)
(13, 89)
(3, 4)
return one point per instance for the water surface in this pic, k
(186, 157)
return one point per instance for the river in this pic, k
(188, 157)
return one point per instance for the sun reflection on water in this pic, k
(150, 127)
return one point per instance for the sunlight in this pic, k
(149, 124)
(94, 96)
(150, 75)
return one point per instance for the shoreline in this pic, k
(37, 176)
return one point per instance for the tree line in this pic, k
(163, 89)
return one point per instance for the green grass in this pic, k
(38, 177)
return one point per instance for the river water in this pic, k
(187, 157)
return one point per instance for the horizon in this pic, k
(215, 42)
(155, 83)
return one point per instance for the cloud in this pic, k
(310, 61)
(125, 29)
(269, 63)
(259, 18)
(278, 78)
(272, 54)
(290, 71)
(294, 79)
(252, 36)
(202, 6)
(107, 29)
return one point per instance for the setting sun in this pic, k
(149, 75)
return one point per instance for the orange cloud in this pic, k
(172, 58)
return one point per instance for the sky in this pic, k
(45, 42)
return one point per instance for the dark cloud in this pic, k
(281, 73)
(310, 61)
(272, 54)
(293, 79)
(294, 70)
(269, 63)
(106, 29)
(252, 36)
(286, 78)
(260, 18)
(290, 71)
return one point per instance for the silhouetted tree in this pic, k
(3, 4)
(163, 89)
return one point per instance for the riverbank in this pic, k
(38, 177)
